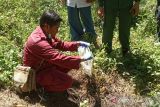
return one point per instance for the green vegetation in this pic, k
(19, 17)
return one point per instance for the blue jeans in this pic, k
(80, 21)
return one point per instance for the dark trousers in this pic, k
(124, 17)
(158, 22)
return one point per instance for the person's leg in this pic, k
(76, 28)
(158, 24)
(124, 29)
(87, 20)
(108, 27)
(54, 80)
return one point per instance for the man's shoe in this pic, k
(73, 96)
(108, 50)
(125, 52)
(76, 83)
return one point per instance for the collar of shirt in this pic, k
(41, 33)
(38, 35)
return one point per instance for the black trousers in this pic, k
(158, 20)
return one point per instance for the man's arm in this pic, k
(64, 46)
(45, 51)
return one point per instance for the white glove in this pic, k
(84, 44)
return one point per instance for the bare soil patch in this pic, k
(100, 90)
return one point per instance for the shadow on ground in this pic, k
(139, 67)
(49, 99)
(93, 92)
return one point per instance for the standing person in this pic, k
(42, 49)
(124, 10)
(157, 42)
(80, 19)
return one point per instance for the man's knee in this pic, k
(65, 84)
(60, 85)
(68, 82)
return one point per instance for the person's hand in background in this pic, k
(101, 12)
(135, 9)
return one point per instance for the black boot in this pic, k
(125, 52)
(108, 50)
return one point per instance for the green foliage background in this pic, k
(18, 18)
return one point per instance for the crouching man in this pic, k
(42, 52)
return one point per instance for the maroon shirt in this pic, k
(37, 48)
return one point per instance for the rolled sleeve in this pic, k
(48, 53)
(66, 46)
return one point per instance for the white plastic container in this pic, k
(86, 65)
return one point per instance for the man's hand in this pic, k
(101, 12)
(84, 44)
(135, 9)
